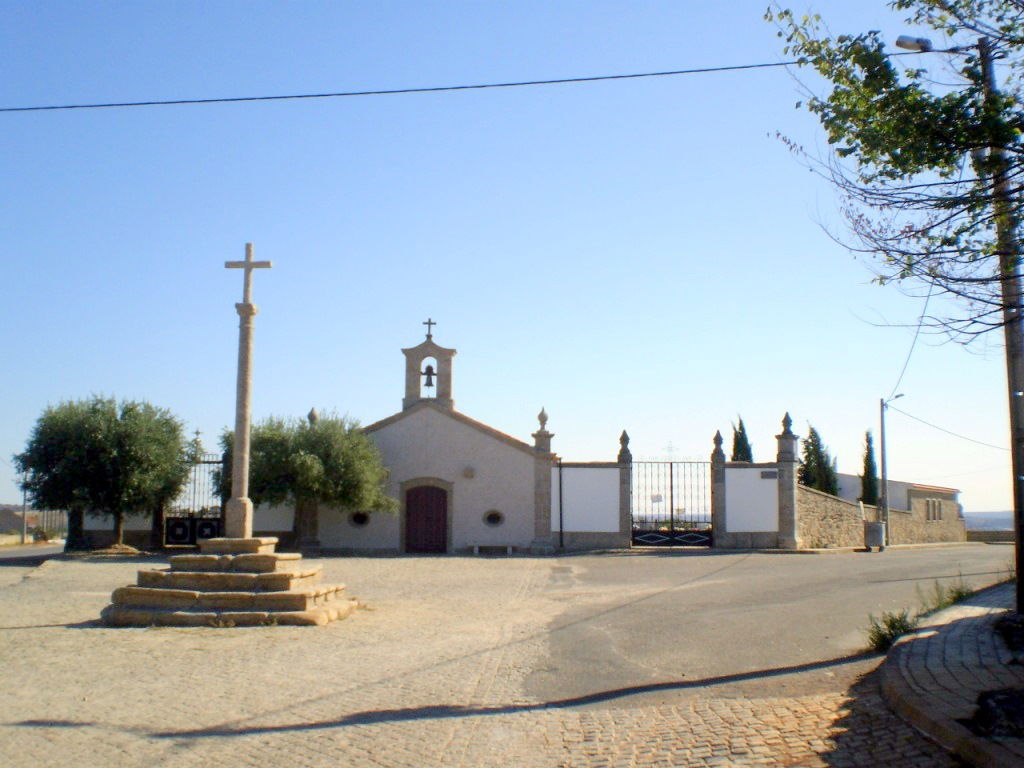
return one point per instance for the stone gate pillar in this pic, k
(788, 462)
(718, 527)
(543, 460)
(625, 460)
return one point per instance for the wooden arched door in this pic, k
(426, 519)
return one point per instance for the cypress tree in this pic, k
(869, 478)
(817, 467)
(741, 450)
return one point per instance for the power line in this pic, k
(397, 91)
(430, 89)
(949, 432)
(913, 344)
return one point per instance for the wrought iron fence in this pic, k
(197, 512)
(200, 497)
(671, 503)
(52, 523)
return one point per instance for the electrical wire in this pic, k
(913, 344)
(947, 431)
(399, 91)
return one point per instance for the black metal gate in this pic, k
(198, 511)
(671, 503)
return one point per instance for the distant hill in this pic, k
(989, 521)
(10, 517)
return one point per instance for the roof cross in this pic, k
(430, 324)
(248, 265)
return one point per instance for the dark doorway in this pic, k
(426, 519)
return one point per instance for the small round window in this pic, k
(359, 519)
(494, 518)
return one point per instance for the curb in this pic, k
(938, 725)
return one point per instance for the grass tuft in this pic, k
(883, 632)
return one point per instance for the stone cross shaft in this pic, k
(238, 511)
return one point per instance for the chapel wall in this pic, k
(484, 472)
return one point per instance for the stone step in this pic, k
(196, 601)
(203, 581)
(262, 562)
(119, 616)
(224, 546)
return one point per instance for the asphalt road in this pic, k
(739, 622)
(30, 551)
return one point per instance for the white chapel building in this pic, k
(463, 486)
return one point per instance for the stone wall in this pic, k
(934, 516)
(810, 519)
(991, 537)
(825, 521)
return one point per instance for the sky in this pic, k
(636, 254)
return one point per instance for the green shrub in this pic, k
(885, 631)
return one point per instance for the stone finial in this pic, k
(787, 441)
(718, 455)
(313, 416)
(625, 457)
(542, 438)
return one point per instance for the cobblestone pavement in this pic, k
(933, 676)
(430, 673)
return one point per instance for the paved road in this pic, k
(36, 551)
(633, 619)
(612, 660)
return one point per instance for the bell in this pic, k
(429, 373)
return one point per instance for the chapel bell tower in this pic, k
(427, 382)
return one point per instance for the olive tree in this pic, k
(105, 458)
(327, 460)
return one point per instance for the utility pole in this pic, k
(883, 496)
(1010, 282)
(24, 511)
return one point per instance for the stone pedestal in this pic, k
(239, 582)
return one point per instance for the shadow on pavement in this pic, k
(444, 711)
(868, 733)
(91, 624)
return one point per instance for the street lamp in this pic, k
(1007, 248)
(883, 500)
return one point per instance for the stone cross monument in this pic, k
(238, 511)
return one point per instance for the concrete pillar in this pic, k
(718, 524)
(788, 461)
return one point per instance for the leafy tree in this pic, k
(106, 458)
(930, 168)
(929, 172)
(817, 468)
(869, 478)
(329, 461)
(741, 450)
